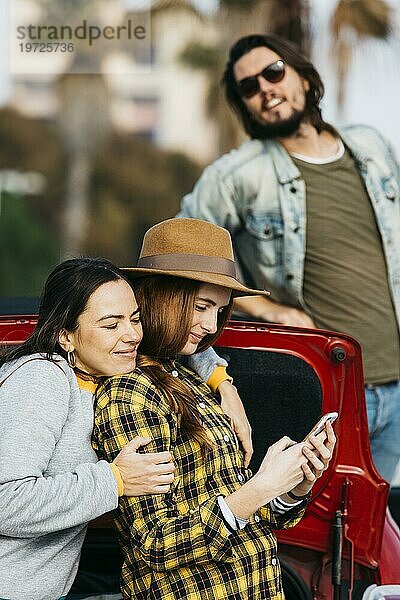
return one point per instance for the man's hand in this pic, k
(289, 316)
(232, 406)
(150, 473)
(264, 309)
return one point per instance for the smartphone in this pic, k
(320, 426)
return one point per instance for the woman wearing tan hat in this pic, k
(211, 536)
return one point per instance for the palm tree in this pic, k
(84, 116)
(84, 124)
(350, 22)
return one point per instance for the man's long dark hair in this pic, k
(64, 298)
(293, 56)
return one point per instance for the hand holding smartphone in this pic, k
(320, 426)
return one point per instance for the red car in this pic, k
(347, 546)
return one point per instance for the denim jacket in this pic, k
(257, 193)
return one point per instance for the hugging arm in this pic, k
(211, 368)
(33, 410)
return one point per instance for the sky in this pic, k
(372, 89)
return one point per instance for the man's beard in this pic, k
(281, 128)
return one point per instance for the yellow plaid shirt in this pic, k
(176, 545)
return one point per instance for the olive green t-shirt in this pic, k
(345, 279)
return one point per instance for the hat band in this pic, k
(189, 262)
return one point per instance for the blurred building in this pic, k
(162, 100)
(168, 103)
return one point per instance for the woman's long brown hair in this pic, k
(167, 307)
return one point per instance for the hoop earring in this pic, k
(71, 359)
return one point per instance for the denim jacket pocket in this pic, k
(266, 229)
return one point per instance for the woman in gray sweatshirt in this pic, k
(51, 484)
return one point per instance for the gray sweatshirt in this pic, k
(51, 484)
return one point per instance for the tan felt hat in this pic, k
(192, 249)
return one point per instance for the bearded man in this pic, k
(314, 213)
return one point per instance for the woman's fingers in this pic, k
(159, 489)
(163, 469)
(308, 473)
(155, 458)
(144, 473)
(314, 461)
(164, 478)
(331, 442)
(137, 442)
(322, 449)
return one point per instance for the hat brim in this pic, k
(238, 289)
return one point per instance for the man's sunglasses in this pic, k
(249, 86)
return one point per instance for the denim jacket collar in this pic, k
(286, 170)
